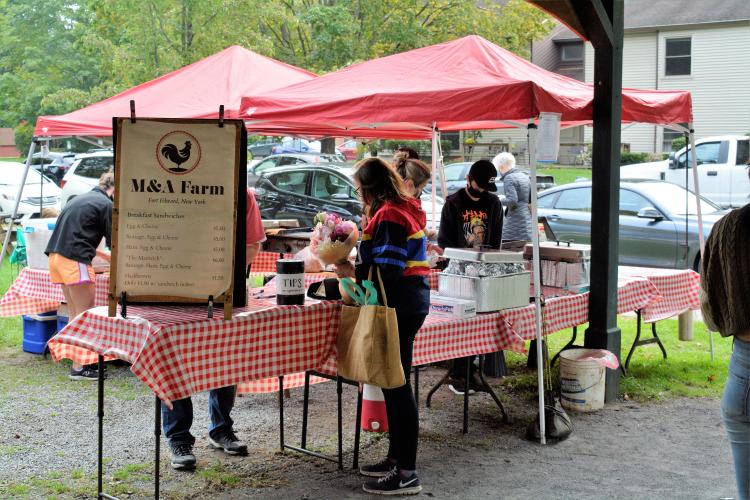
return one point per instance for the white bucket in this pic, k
(581, 382)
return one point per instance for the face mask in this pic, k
(474, 192)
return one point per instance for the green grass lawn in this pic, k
(565, 175)
(11, 333)
(12, 158)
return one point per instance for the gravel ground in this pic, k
(675, 449)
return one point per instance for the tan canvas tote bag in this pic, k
(368, 344)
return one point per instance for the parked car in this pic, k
(262, 149)
(349, 149)
(256, 168)
(298, 145)
(653, 219)
(84, 174)
(722, 169)
(455, 179)
(301, 191)
(55, 164)
(37, 191)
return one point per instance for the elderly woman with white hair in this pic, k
(517, 226)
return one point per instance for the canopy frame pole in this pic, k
(532, 134)
(32, 146)
(697, 190)
(433, 195)
(606, 28)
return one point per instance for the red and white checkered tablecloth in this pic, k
(33, 293)
(178, 351)
(265, 262)
(679, 291)
(567, 311)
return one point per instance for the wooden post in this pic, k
(603, 20)
(685, 325)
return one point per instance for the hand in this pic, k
(344, 269)
(431, 234)
(434, 248)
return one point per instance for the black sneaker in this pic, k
(182, 456)
(379, 469)
(476, 384)
(458, 387)
(87, 372)
(393, 484)
(229, 443)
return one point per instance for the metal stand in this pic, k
(100, 443)
(485, 388)
(157, 444)
(638, 342)
(339, 459)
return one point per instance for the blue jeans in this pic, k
(735, 410)
(176, 422)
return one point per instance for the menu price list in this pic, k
(162, 250)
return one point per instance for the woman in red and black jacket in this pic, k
(394, 241)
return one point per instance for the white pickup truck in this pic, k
(723, 162)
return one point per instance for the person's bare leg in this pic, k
(80, 298)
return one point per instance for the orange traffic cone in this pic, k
(374, 416)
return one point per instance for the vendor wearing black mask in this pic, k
(472, 218)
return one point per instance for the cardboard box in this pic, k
(458, 308)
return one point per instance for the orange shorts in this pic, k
(69, 272)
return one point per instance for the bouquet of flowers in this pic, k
(333, 238)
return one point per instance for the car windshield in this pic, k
(672, 197)
(10, 175)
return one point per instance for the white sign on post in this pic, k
(548, 137)
(175, 210)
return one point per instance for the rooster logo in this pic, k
(175, 159)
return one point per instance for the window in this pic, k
(265, 165)
(743, 152)
(327, 185)
(677, 56)
(578, 199)
(669, 136)
(547, 201)
(571, 52)
(453, 138)
(290, 160)
(631, 203)
(708, 152)
(93, 168)
(293, 182)
(453, 172)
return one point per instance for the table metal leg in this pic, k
(570, 344)
(281, 412)
(305, 408)
(100, 444)
(100, 418)
(357, 429)
(157, 445)
(639, 342)
(437, 386)
(492, 394)
(466, 395)
(340, 418)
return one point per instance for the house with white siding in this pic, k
(702, 46)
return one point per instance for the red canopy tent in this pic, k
(194, 91)
(465, 84)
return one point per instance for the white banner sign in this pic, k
(548, 137)
(175, 208)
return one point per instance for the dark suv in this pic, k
(301, 191)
